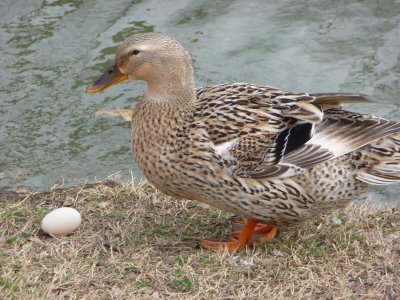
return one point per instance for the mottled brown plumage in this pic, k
(276, 157)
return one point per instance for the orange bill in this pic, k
(110, 77)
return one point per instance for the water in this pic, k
(51, 50)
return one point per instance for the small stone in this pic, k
(69, 201)
(245, 264)
(116, 292)
(102, 204)
(336, 220)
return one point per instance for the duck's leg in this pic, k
(244, 238)
(262, 232)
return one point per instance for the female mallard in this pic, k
(274, 157)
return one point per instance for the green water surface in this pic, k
(51, 50)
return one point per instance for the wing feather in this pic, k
(267, 133)
(341, 132)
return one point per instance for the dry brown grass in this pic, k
(135, 243)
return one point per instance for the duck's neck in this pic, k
(164, 108)
(173, 87)
(184, 98)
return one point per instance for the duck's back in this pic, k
(329, 162)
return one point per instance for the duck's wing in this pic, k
(342, 132)
(255, 127)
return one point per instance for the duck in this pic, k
(273, 157)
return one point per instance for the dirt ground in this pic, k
(135, 243)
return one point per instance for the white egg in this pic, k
(60, 221)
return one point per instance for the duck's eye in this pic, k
(135, 52)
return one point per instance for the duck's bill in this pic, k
(111, 77)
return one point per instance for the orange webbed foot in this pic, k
(230, 246)
(245, 234)
(262, 232)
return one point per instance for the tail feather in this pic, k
(379, 163)
(336, 100)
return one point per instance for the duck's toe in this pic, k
(262, 233)
(230, 246)
(247, 233)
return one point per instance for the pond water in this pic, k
(51, 50)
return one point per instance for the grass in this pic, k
(135, 243)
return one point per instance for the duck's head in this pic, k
(155, 58)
